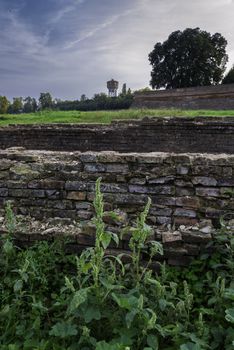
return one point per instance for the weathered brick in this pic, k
(171, 238)
(3, 192)
(78, 196)
(152, 189)
(95, 168)
(185, 213)
(204, 180)
(182, 170)
(207, 192)
(188, 202)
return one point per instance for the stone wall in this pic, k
(206, 97)
(186, 190)
(179, 135)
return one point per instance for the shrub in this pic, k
(50, 300)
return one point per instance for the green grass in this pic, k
(103, 116)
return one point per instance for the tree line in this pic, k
(46, 102)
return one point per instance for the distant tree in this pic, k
(229, 77)
(4, 104)
(188, 58)
(124, 89)
(45, 100)
(30, 105)
(17, 105)
(83, 98)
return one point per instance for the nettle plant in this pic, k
(50, 300)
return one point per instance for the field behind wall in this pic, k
(48, 117)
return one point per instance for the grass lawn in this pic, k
(103, 116)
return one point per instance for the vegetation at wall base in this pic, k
(104, 117)
(53, 300)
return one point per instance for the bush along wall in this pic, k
(51, 298)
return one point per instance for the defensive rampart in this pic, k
(205, 97)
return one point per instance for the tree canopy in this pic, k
(188, 58)
(4, 104)
(45, 100)
(229, 77)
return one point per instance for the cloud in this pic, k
(91, 32)
(63, 11)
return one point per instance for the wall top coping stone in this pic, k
(20, 153)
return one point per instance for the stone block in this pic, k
(163, 220)
(161, 180)
(188, 202)
(138, 181)
(79, 186)
(95, 168)
(37, 193)
(161, 211)
(212, 213)
(5, 164)
(228, 171)
(187, 221)
(113, 188)
(84, 214)
(171, 238)
(167, 190)
(76, 196)
(46, 184)
(170, 252)
(181, 191)
(207, 192)
(22, 193)
(163, 200)
(3, 192)
(182, 169)
(204, 181)
(117, 168)
(196, 237)
(185, 213)
(183, 183)
(4, 175)
(17, 184)
(83, 206)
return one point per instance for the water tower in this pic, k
(112, 87)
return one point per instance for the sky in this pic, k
(72, 47)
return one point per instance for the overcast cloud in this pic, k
(70, 47)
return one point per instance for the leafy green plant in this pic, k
(52, 300)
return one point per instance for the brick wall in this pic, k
(185, 189)
(205, 97)
(180, 135)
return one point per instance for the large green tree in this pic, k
(229, 77)
(188, 58)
